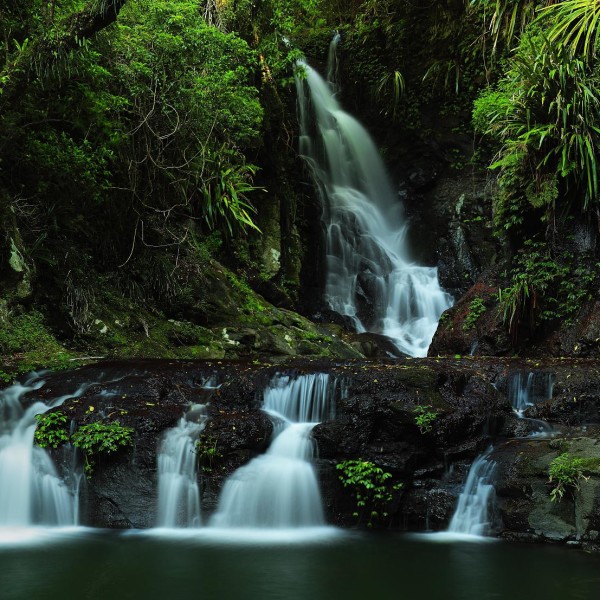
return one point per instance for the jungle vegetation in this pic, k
(137, 138)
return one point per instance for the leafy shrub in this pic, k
(370, 487)
(565, 473)
(51, 429)
(476, 309)
(424, 417)
(206, 448)
(545, 114)
(101, 438)
(543, 288)
(92, 439)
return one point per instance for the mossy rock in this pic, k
(424, 381)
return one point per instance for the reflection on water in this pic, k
(100, 565)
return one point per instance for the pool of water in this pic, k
(318, 565)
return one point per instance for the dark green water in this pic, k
(107, 566)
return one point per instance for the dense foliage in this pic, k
(129, 132)
(93, 439)
(141, 138)
(371, 488)
(565, 473)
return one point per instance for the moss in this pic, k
(591, 465)
(424, 381)
(27, 343)
(251, 304)
(123, 328)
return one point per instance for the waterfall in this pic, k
(369, 277)
(279, 489)
(526, 390)
(178, 492)
(472, 514)
(30, 490)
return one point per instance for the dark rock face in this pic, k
(375, 421)
(462, 330)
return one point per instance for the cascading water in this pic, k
(279, 489)
(370, 278)
(178, 492)
(30, 490)
(526, 390)
(472, 514)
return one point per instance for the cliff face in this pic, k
(375, 423)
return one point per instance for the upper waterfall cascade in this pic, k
(279, 489)
(369, 276)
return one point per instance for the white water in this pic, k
(178, 492)
(279, 489)
(30, 490)
(472, 514)
(367, 259)
(526, 390)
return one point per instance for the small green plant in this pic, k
(476, 309)
(370, 486)
(206, 449)
(101, 438)
(565, 473)
(544, 287)
(424, 417)
(51, 430)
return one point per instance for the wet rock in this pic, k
(474, 325)
(374, 421)
(523, 490)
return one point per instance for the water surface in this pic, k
(321, 565)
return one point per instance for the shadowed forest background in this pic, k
(153, 203)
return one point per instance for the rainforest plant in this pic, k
(565, 474)
(545, 114)
(208, 454)
(51, 429)
(93, 439)
(99, 438)
(370, 487)
(476, 309)
(575, 25)
(425, 417)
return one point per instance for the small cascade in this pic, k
(279, 489)
(370, 278)
(31, 493)
(526, 389)
(178, 492)
(472, 514)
